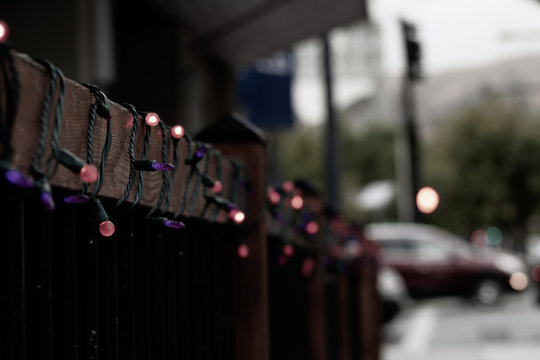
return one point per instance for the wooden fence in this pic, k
(150, 291)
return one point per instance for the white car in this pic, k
(393, 292)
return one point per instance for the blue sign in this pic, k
(264, 91)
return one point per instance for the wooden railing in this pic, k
(153, 292)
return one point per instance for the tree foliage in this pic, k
(364, 157)
(300, 154)
(484, 160)
(485, 163)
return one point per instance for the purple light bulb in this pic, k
(76, 199)
(162, 166)
(201, 151)
(47, 200)
(17, 178)
(174, 224)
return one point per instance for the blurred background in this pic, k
(371, 100)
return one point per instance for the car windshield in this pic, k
(423, 241)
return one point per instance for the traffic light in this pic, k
(412, 50)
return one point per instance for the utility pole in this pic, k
(332, 158)
(407, 153)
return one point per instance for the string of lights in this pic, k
(300, 225)
(7, 115)
(92, 170)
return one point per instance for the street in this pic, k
(452, 328)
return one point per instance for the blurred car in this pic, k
(533, 258)
(393, 292)
(433, 261)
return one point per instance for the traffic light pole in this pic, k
(407, 151)
(332, 158)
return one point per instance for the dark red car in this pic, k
(433, 261)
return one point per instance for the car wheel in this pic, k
(487, 292)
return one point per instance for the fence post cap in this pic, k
(231, 127)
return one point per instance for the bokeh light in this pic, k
(288, 250)
(307, 266)
(243, 251)
(312, 228)
(273, 196)
(519, 281)
(494, 235)
(4, 31)
(427, 200)
(479, 238)
(535, 272)
(297, 202)
(237, 216)
(287, 186)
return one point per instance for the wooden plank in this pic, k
(34, 81)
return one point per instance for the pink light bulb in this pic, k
(4, 31)
(237, 216)
(106, 228)
(217, 187)
(177, 131)
(312, 228)
(152, 119)
(288, 250)
(88, 173)
(274, 197)
(297, 202)
(308, 266)
(129, 122)
(287, 186)
(243, 251)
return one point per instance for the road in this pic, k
(452, 328)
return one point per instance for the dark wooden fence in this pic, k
(151, 292)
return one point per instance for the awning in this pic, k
(241, 31)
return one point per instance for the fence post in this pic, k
(369, 304)
(317, 313)
(343, 299)
(313, 201)
(233, 136)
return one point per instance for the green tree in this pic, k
(365, 156)
(485, 164)
(368, 156)
(300, 153)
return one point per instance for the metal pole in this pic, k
(407, 144)
(332, 158)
